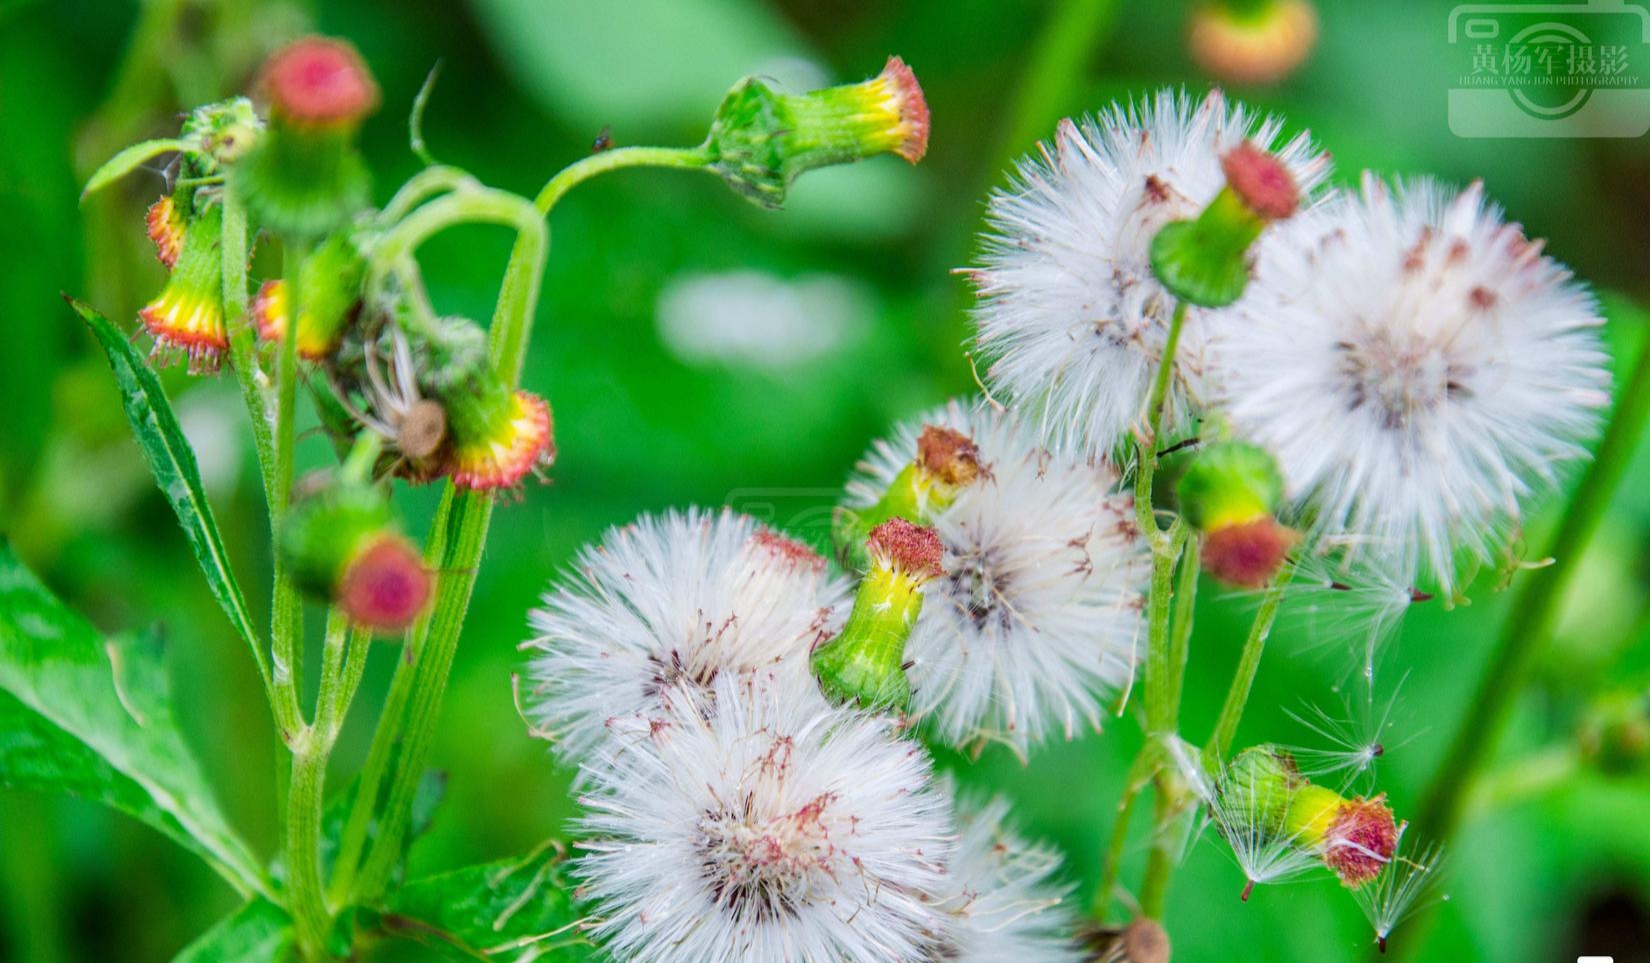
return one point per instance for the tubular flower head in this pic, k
(756, 826)
(304, 175)
(1037, 615)
(946, 462)
(1354, 837)
(761, 141)
(341, 544)
(672, 603)
(187, 316)
(165, 227)
(1070, 312)
(865, 665)
(1418, 368)
(498, 437)
(330, 279)
(1002, 898)
(1253, 41)
(1206, 261)
(1229, 493)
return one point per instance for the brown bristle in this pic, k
(949, 455)
(1261, 181)
(912, 549)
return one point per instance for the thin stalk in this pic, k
(305, 900)
(1072, 34)
(1535, 612)
(1145, 471)
(1243, 680)
(1160, 864)
(691, 158)
(287, 621)
(1180, 644)
(1140, 776)
(1160, 682)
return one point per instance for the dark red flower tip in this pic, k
(319, 80)
(1247, 555)
(914, 550)
(1261, 182)
(949, 455)
(912, 107)
(1361, 840)
(787, 551)
(386, 586)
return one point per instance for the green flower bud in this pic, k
(341, 545)
(761, 141)
(947, 462)
(1229, 482)
(1206, 261)
(866, 663)
(1257, 786)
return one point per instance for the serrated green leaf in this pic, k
(92, 717)
(173, 463)
(514, 910)
(258, 932)
(129, 160)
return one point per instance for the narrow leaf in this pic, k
(256, 933)
(92, 717)
(173, 463)
(129, 160)
(514, 910)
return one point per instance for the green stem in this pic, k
(305, 900)
(287, 621)
(1191, 565)
(1160, 864)
(1535, 612)
(691, 158)
(1160, 682)
(1243, 680)
(1140, 776)
(1072, 34)
(422, 185)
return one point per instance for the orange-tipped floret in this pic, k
(1255, 48)
(905, 101)
(320, 81)
(911, 550)
(1261, 182)
(187, 316)
(271, 310)
(508, 443)
(1248, 554)
(948, 455)
(165, 227)
(1361, 839)
(385, 586)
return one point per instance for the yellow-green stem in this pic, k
(1243, 680)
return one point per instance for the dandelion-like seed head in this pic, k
(675, 601)
(752, 825)
(1037, 613)
(1070, 311)
(1419, 369)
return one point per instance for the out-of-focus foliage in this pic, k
(1545, 869)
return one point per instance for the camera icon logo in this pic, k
(1550, 69)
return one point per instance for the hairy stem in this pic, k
(1243, 680)
(1534, 613)
(305, 900)
(287, 622)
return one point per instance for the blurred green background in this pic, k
(676, 380)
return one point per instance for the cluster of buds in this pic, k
(1231, 493)
(342, 546)
(865, 664)
(761, 141)
(946, 462)
(1253, 41)
(1206, 261)
(1354, 837)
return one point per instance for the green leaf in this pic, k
(258, 932)
(173, 463)
(129, 160)
(91, 717)
(515, 910)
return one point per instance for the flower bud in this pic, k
(222, 134)
(1257, 786)
(330, 279)
(761, 141)
(340, 544)
(947, 462)
(866, 663)
(1354, 837)
(187, 316)
(165, 226)
(1253, 41)
(304, 176)
(1206, 261)
(1230, 492)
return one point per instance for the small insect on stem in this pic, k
(603, 141)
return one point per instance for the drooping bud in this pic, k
(946, 462)
(1253, 41)
(165, 226)
(341, 544)
(865, 664)
(187, 316)
(1230, 492)
(304, 176)
(761, 141)
(330, 279)
(1354, 837)
(1206, 261)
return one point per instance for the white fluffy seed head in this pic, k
(1418, 367)
(756, 826)
(678, 599)
(1003, 897)
(1038, 615)
(1070, 313)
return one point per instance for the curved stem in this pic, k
(1536, 611)
(1243, 680)
(580, 171)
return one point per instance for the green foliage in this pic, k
(256, 933)
(92, 717)
(128, 161)
(515, 910)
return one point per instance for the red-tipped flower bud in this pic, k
(947, 461)
(1355, 837)
(1254, 42)
(187, 316)
(913, 551)
(340, 543)
(1247, 555)
(1261, 182)
(330, 280)
(318, 80)
(165, 227)
(385, 585)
